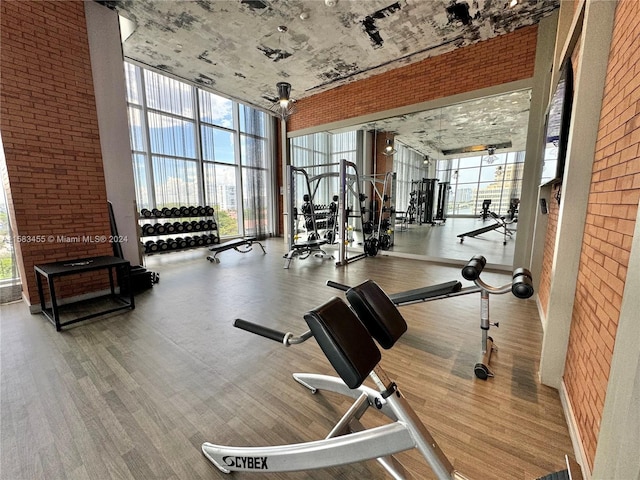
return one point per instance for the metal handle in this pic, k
(339, 286)
(260, 330)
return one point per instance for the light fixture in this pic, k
(513, 3)
(426, 160)
(284, 107)
(388, 148)
(492, 155)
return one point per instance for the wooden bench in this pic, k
(234, 244)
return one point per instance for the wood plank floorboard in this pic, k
(133, 395)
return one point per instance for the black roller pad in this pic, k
(344, 340)
(377, 312)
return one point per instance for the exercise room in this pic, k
(319, 239)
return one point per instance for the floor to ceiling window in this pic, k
(474, 179)
(192, 147)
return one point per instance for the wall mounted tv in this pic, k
(557, 127)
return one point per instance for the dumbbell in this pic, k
(208, 210)
(146, 213)
(156, 213)
(173, 245)
(162, 245)
(150, 246)
(178, 227)
(166, 212)
(184, 211)
(182, 243)
(187, 226)
(148, 229)
(175, 212)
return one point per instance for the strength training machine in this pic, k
(521, 286)
(345, 337)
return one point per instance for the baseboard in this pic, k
(574, 433)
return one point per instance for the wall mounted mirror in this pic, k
(467, 157)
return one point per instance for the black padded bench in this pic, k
(423, 294)
(306, 248)
(234, 244)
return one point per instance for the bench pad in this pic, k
(378, 313)
(425, 292)
(237, 242)
(344, 340)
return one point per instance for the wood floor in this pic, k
(134, 395)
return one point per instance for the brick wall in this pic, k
(503, 59)
(50, 135)
(549, 248)
(611, 214)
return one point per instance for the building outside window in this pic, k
(475, 179)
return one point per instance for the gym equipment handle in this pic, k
(473, 269)
(339, 286)
(260, 330)
(521, 286)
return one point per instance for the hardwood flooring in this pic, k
(135, 394)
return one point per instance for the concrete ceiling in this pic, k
(239, 49)
(499, 121)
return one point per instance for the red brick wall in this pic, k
(50, 135)
(611, 214)
(549, 249)
(503, 59)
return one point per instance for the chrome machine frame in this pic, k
(349, 441)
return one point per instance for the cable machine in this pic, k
(334, 220)
(382, 214)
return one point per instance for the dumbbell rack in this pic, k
(192, 227)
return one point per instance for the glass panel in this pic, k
(134, 91)
(171, 136)
(492, 172)
(176, 182)
(253, 121)
(168, 95)
(136, 129)
(215, 109)
(253, 151)
(140, 179)
(217, 145)
(255, 201)
(470, 162)
(302, 141)
(344, 142)
(468, 175)
(465, 199)
(300, 157)
(220, 192)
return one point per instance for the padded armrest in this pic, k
(344, 340)
(377, 312)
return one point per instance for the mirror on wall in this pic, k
(459, 172)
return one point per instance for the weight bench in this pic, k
(501, 223)
(520, 286)
(234, 244)
(345, 337)
(305, 248)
